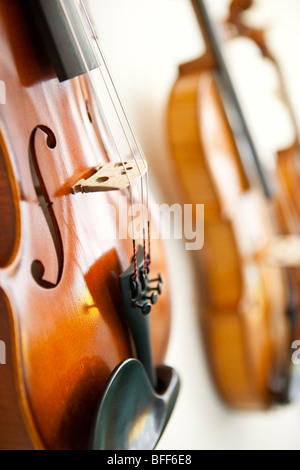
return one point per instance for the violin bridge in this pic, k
(112, 177)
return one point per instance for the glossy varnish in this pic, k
(64, 330)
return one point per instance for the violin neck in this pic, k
(253, 169)
(60, 28)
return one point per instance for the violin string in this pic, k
(94, 36)
(88, 72)
(99, 50)
(136, 143)
(101, 54)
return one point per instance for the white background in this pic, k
(144, 42)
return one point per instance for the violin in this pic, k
(246, 294)
(82, 364)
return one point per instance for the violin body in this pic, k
(246, 330)
(64, 326)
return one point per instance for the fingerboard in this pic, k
(60, 28)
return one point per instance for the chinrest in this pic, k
(132, 415)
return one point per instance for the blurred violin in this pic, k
(287, 160)
(81, 356)
(247, 296)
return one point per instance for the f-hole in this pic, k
(37, 267)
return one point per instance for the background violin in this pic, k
(247, 299)
(168, 34)
(67, 282)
